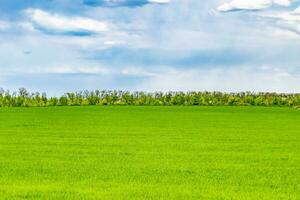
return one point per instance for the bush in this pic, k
(24, 98)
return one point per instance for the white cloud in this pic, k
(60, 23)
(289, 20)
(159, 1)
(297, 11)
(283, 2)
(114, 42)
(245, 5)
(285, 23)
(251, 4)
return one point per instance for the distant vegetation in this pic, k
(23, 98)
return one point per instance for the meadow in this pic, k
(147, 152)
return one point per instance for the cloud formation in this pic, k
(120, 3)
(284, 20)
(53, 23)
(236, 5)
(288, 20)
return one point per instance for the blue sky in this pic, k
(226, 45)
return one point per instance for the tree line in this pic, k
(23, 98)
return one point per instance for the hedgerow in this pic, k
(23, 98)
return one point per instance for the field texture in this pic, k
(150, 153)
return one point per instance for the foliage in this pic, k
(25, 99)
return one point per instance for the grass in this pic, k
(150, 153)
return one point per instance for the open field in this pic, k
(150, 153)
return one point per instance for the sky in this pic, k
(56, 46)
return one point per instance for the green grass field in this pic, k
(150, 153)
